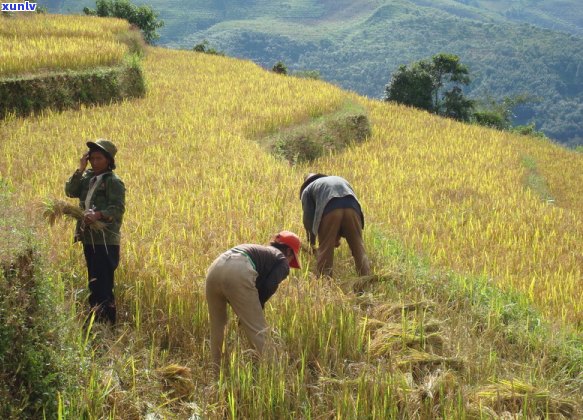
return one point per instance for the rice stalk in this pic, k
(439, 384)
(387, 341)
(389, 310)
(57, 209)
(360, 284)
(420, 359)
(514, 394)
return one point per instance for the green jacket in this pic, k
(108, 198)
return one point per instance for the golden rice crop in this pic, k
(207, 186)
(198, 184)
(34, 25)
(456, 194)
(451, 191)
(29, 55)
(32, 44)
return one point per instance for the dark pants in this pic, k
(341, 223)
(101, 264)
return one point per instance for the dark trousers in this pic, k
(341, 223)
(101, 264)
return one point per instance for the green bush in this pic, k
(307, 74)
(528, 130)
(279, 68)
(134, 40)
(143, 17)
(35, 360)
(328, 134)
(203, 47)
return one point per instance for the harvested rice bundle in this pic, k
(420, 359)
(392, 336)
(390, 310)
(56, 209)
(515, 395)
(178, 379)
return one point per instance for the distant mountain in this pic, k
(358, 44)
(558, 15)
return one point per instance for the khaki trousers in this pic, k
(231, 279)
(333, 226)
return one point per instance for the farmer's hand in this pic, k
(83, 162)
(92, 216)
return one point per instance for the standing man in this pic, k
(330, 212)
(246, 277)
(102, 197)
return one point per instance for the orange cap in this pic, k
(292, 240)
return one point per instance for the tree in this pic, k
(499, 114)
(279, 68)
(433, 85)
(456, 105)
(411, 86)
(141, 16)
(204, 48)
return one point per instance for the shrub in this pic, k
(279, 68)
(203, 47)
(25, 96)
(329, 134)
(34, 357)
(308, 74)
(143, 17)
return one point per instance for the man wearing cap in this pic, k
(331, 211)
(102, 197)
(246, 276)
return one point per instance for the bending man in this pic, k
(331, 211)
(246, 277)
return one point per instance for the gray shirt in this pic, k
(315, 198)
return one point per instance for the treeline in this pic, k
(436, 85)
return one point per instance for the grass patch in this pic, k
(324, 135)
(29, 95)
(535, 181)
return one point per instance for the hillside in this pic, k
(476, 307)
(66, 61)
(358, 45)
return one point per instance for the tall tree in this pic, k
(434, 85)
(411, 86)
